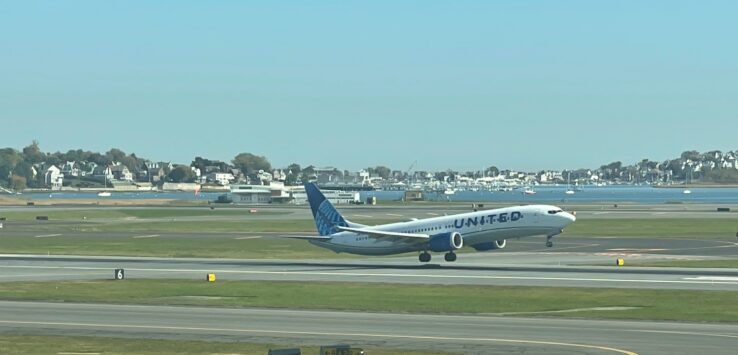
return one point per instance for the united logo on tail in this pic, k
(327, 218)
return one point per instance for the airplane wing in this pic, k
(306, 237)
(386, 234)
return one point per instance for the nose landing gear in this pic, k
(549, 242)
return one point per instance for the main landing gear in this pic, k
(425, 257)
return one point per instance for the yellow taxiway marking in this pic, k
(336, 334)
(47, 235)
(145, 236)
(249, 237)
(432, 214)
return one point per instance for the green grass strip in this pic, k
(656, 227)
(121, 213)
(50, 344)
(210, 246)
(681, 305)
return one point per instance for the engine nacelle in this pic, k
(445, 242)
(497, 244)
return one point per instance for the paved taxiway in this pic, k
(463, 333)
(475, 269)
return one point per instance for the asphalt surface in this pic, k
(464, 333)
(476, 269)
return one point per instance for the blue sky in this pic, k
(459, 84)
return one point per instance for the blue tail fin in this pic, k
(326, 216)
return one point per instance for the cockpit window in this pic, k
(554, 211)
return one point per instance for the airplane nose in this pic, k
(569, 216)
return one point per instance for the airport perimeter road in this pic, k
(396, 270)
(468, 334)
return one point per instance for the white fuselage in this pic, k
(475, 228)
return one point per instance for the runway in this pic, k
(465, 333)
(474, 270)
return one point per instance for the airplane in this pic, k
(482, 230)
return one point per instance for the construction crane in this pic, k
(409, 169)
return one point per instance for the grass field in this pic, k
(124, 213)
(42, 344)
(220, 238)
(181, 247)
(711, 228)
(698, 306)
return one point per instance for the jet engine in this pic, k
(497, 244)
(445, 242)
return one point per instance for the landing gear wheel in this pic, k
(450, 256)
(424, 257)
(549, 243)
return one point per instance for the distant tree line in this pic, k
(26, 168)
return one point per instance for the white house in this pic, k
(221, 178)
(54, 178)
(121, 173)
(70, 168)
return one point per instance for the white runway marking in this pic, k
(432, 214)
(250, 237)
(47, 235)
(394, 215)
(636, 250)
(362, 216)
(713, 278)
(145, 236)
(601, 213)
(731, 281)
